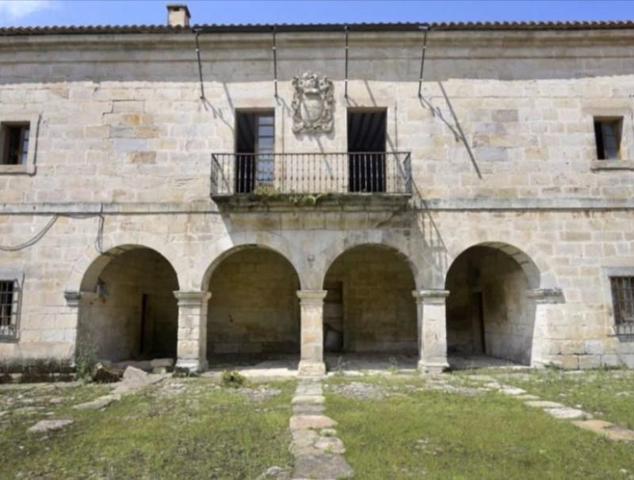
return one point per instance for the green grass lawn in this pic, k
(199, 430)
(608, 394)
(419, 433)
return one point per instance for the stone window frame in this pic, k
(626, 160)
(17, 277)
(608, 273)
(33, 119)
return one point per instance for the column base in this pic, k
(432, 368)
(192, 365)
(309, 368)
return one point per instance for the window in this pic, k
(623, 304)
(607, 132)
(18, 140)
(255, 144)
(9, 309)
(15, 143)
(366, 150)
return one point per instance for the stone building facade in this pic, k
(188, 192)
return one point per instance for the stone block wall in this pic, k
(254, 306)
(123, 133)
(378, 312)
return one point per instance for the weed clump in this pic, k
(233, 379)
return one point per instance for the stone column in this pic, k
(547, 307)
(312, 332)
(192, 329)
(432, 330)
(73, 301)
(84, 339)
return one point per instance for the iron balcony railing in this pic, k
(311, 173)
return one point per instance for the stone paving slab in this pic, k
(512, 391)
(317, 450)
(303, 422)
(308, 399)
(608, 429)
(543, 404)
(44, 426)
(310, 409)
(98, 403)
(321, 467)
(567, 413)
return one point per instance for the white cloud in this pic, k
(17, 9)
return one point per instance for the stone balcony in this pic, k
(372, 180)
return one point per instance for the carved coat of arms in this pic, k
(313, 104)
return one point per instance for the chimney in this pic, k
(178, 16)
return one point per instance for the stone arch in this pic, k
(489, 309)
(253, 311)
(227, 246)
(369, 238)
(90, 259)
(127, 308)
(539, 274)
(369, 305)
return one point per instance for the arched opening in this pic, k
(369, 306)
(490, 316)
(253, 313)
(128, 311)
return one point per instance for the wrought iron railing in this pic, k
(311, 173)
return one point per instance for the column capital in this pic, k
(191, 298)
(73, 297)
(311, 296)
(435, 296)
(546, 295)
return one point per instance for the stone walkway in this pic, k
(578, 417)
(317, 450)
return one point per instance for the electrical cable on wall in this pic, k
(200, 67)
(39, 235)
(32, 241)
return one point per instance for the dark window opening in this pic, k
(15, 143)
(607, 132)
(366, 150)
(255, 144)
(8, 309)
(623, 303)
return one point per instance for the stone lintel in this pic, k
(308, 297)
(435, 296)
(547, 295)
(191, 298)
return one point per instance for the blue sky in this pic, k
(76, 12)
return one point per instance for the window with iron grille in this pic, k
(9, 309)
(623, 304)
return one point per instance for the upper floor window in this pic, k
(255, 145)
(607, 132)
(9, 309)
(366, 150)
(623, 303)
(14, 143)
